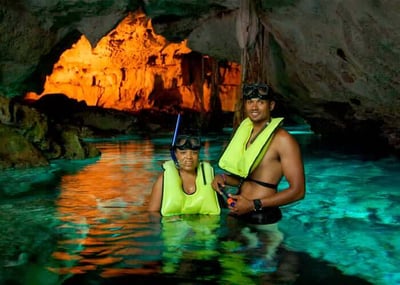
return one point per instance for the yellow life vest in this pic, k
(176, 202)
(241, 161)
(185, 231)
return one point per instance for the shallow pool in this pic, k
(85, 222)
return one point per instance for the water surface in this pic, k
(85, 222)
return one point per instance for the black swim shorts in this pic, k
(268, 215)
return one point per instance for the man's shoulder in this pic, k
(281, 131)
(282, 135)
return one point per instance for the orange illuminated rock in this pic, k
(132, 68)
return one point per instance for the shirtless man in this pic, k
(257, 200)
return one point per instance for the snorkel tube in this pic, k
(178, 121)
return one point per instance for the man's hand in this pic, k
(241, 206)
(217, 183)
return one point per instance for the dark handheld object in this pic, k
(178, 121)
(229, 200)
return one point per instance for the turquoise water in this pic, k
(84, 222)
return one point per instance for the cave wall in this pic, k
(335, 63)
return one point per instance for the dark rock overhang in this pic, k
(325, 57)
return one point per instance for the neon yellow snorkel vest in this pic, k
(176, 202)
(197, 234)
(238, 160)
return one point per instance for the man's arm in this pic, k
(292, 168)
(221, 180)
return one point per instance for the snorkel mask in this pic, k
(183, 142)
(187, 142)
(257, 91)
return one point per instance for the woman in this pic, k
(184, 187)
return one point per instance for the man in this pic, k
(259, 154)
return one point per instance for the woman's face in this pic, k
(188, 159)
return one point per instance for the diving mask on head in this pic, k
(257, 91)
(187, 142)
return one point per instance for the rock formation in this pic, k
(335, 63)
(132, 68)
(29, 138)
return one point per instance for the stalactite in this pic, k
(253, 41)
(247, 30)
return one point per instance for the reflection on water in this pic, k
(85, 222)
(103, 205)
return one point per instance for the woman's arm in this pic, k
(156, 195)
